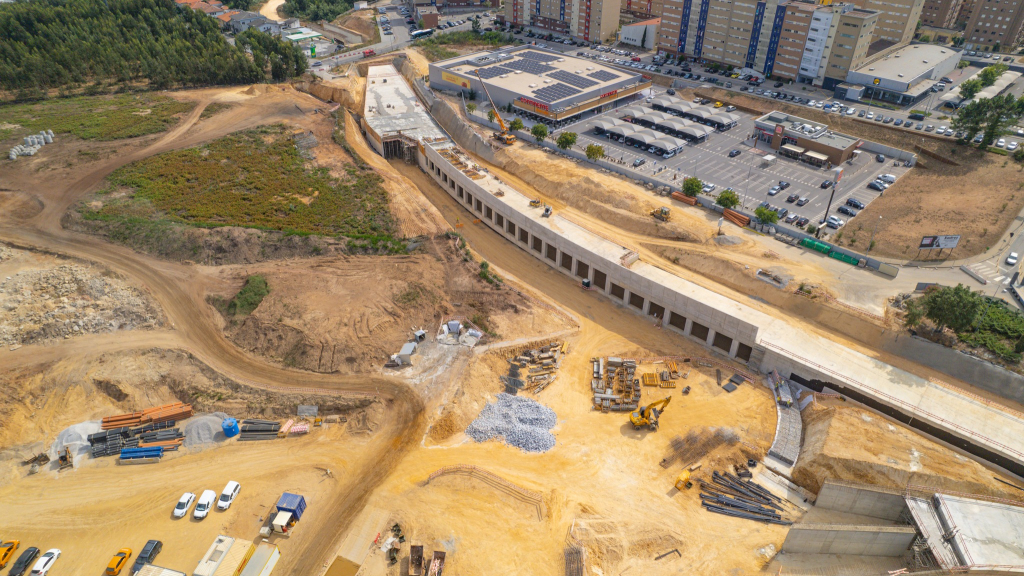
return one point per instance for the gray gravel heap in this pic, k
(518, 421)
(204, 430)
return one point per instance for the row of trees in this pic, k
(989, 117)
(987, 77)
(61, 44)
(316, 10)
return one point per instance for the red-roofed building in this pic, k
(208, 9)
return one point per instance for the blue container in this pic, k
(230, 427)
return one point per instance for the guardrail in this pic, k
(514, 490)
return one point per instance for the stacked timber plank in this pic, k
(614, 384)
(253, 429)
(534, 369)
(158, 414)
(729, 495)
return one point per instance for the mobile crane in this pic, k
(648, 415)
(505, 137)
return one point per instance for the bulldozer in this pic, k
(648, 415)
(505, 137)
(663, 214)
(535, 203)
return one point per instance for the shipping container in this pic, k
(214, 556)
(293, 503)
(262, 561)
(151, 570)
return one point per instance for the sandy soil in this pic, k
(929, 199)
(853, 444)
(358, 22)
(271, 9)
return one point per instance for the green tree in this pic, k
(539, 131)
(566, 140)
(421, 24)
(596, 152)
(728, 199)
(766, 216)
(968, 88)
(692, 186)
(915, 313)
(476, 25)
(472, 108)
(516, 124)
(491, 115)
(1018, 154)
(989, 75)
(971, 119)
(956, 307)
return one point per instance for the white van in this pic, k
(887, 178)
(204, 504)
(228, 495)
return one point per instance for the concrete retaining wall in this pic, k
(855, 540)
(864, 500)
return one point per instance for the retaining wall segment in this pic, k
(873, 501)
(854, 540)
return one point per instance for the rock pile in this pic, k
(518, 421)
(69, 300)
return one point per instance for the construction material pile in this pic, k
(205, 430)
(74, 438)
(614, 385)
(114, 441)
(141, 455)
(540, 365)
(167, 413)
(729, 495)
(519, 422)
(32, 144)
(253, 429)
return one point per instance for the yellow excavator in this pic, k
(505, 137)
(648, 415)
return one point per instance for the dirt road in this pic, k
(179, 291)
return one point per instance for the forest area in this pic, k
(317, 10)
(93, 46)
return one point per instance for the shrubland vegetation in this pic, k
(95, 117)
(317, 9)
(249, 297)
(252, 179)
(71, 45)
(436, 47)
(978, 320)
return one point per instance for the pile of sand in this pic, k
(204, 430)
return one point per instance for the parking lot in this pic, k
(747, 173)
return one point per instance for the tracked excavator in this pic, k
(648, 415)
(504, 136)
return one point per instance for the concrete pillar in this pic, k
(734, 348)
(711, 338)
(688, 327)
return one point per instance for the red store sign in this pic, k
(533, 103)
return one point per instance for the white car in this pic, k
(181, 508)
(940, 130)
(204, 504)
(228, 495)
(851, 111)
(1011, 260)
(1000, 143)
(1011, 146)
(870, 115)
(45, 562)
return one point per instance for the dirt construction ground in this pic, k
(600, 487)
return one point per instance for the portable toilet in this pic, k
(230, 427)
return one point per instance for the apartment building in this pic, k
(995, 25)
(590, 20)
(940, 13)
(897, 20)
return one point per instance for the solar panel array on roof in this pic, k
(530, 66)
(555, 92)
(493, 71)
(572, 79)
(603, 76)
(538, 56)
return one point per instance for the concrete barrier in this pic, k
(873, 501)
(849, 539)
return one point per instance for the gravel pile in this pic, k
(75, 437)
(518, 421)
(204, 430)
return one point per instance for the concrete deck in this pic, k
(392, 107)
(987, 535)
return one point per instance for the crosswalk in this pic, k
(992, 272)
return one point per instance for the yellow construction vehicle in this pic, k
(683, 481)
(648, 415)
(504, 136)
(664, 214)
(535, 203)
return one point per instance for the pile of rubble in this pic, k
(518, 421)
(68, 300)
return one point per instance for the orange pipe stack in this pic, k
(684, 198)
(736, 218)
(176, 411)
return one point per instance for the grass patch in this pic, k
(436, 47)
(249, 297)
(214, 108)
(95, 117)
(252, 179)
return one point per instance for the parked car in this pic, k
(204, 504)
(1011, 146)
(150, 551)
(118, 562)
(783, 184)
(801, 222)
(734, 153)
(228, 495)
(639, 162)
(708, 188)
(861, 113)
(803, 201)
(792, 198)
(774, 190)
(847, 210)
(876, 185)
(1001, 143)
(45, 562)
(793, 217)
(782, 212)
(834, 222)
(181, 508)
(7, 550)
(898, 122)
(853, 202)
(22, 563)
(826, 183)
(880, 158)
